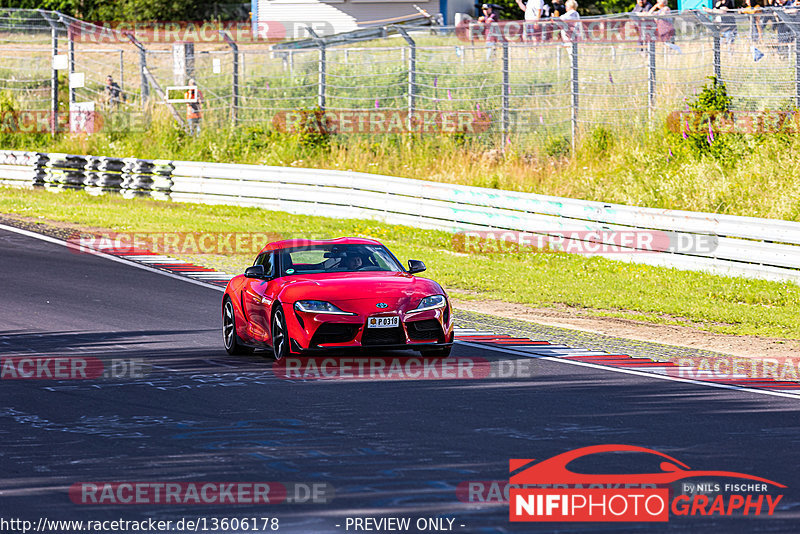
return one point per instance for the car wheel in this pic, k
(280, 337)
(233, 345)
(443, 352)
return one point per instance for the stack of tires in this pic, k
(149, 178)
(19, 168)
(64, 171)
(103, 174)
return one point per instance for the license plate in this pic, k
(383, 322)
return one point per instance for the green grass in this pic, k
(638, 167)
(600, 286)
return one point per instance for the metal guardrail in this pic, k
(732, 245)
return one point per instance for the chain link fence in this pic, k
(556, 79)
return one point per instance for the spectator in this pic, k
(726, 20)
(194, 111)
(488, 18)
(491, 28)
(751, 7)
(112, 94)
(642, 7)
(570, 33)
(534, 10)
(556, 10)
(489, 15)
(661, 7)
(572, 11)
(462, 27)
(769, 21)
(785, 36)
(665, 31)
(546, 14)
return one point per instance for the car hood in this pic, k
(340, 287)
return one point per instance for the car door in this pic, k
(257, 299)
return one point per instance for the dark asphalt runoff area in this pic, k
(376, 448)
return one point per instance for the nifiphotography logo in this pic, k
(550, 491)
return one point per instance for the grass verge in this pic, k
(659, 167)
(599, 286)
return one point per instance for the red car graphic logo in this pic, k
(554, 470)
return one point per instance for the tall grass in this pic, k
(756, 177)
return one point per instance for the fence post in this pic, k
(322, 68)
(121, 71)
(235, 88)
(54, 81)
(558, 62)
(322, 76)
(142, 68)
(505, 98)
(714, 29)
(574, 106)
(651, 80)
(54, 73)
(797, 70)
(412, 72)
(71, 51)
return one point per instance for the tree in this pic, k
(131, 10)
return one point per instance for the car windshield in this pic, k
(337, 259)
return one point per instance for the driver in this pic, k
(353, 262)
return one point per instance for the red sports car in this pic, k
(306, 296)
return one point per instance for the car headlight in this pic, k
(319, 306)
(431, 303)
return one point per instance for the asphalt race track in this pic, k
(380, 448)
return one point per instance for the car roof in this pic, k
(293, 243)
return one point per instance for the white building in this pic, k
(336, 16)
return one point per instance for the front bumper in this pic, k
(416, 330)
(406, 346)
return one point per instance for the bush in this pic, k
(10, 135)
(600, 141)
(698, 132)
(312, 129)
(7, 102)
(558, 147)
(713, 97)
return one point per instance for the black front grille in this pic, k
(427, 329)
(334, 333)
(383, 336)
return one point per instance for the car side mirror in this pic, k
(415, 266)
(256, 271)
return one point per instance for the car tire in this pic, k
(443, 352)
(280, 336)
(233, 344)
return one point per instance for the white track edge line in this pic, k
(109, 257)
(632, 371)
